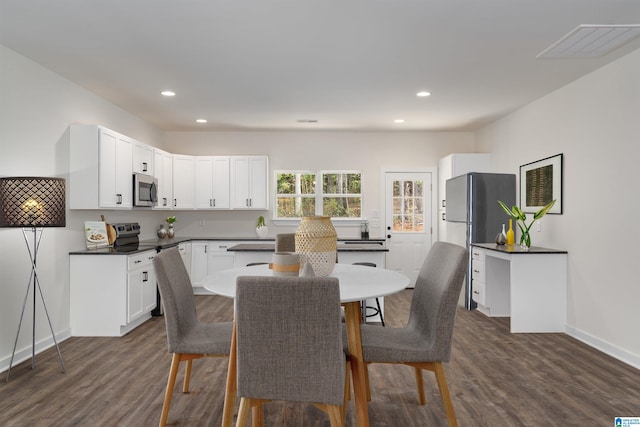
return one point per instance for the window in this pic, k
(298, 194)
(408, 206)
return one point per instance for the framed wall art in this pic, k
(540, 183)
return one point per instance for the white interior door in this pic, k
(408, 216)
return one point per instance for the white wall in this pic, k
(595, 122)
(36, 109)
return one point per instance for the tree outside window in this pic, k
(338, 196)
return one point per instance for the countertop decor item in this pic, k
(261, 227)
(520, 217)
(162, 232)
(170, 231)
(316, 242)
(501, 238)
(33, 203)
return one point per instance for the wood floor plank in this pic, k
(495, 378)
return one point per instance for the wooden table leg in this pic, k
(352, 322)
(232, 386)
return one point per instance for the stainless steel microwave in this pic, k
(145, 190)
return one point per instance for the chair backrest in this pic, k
(286, 242)
(177, 297)
(435, 297)
(289, 339)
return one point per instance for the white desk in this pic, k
(530, 287)
(356, 283)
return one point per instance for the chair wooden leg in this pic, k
(187, 377)
(232, 386)
(347, 392)
(420, 385)
(171, 381)
(243, 412)
(335, 415)
(366, 381)
(444, 393)
(257, 413)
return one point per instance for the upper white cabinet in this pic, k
(143, 158)
(163, 171)
(100, 163)
(249, 182)
(212, 182)
(184, 181)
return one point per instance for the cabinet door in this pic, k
(143, 156)
(204, 182)
(163, 171)
(149, 289)
(115, 171)
(259, 182)
(198, 263)
(249, 182)
(220, 186)
(134, 294)
(219, 260)
(184, 188)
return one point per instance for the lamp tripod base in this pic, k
(33, 280)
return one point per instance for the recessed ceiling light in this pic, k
(201, 120)
(168, 93)
(423, 93)
(307, 121)
(398, 121)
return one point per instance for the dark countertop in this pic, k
(270, 247)
(515, 249)
(159, 244)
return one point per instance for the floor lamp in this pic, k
(32, 203)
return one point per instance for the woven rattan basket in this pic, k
(316, 243)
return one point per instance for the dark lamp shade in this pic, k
(32, 202)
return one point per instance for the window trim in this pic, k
(319, 195)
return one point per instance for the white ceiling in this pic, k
(350, 64)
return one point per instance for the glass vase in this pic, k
(525, 241)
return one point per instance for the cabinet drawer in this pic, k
(478, 271)
(142, 259)
(477, 254)
(478, 293)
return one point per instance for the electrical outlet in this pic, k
(538, 226)
(202, 222)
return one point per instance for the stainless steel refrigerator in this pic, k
(473, 214)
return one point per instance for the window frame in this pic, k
(319, 195)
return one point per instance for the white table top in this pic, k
(357, 282)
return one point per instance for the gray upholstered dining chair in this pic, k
(425, 341)
(289, 344)
(286, 242)
(187, 337)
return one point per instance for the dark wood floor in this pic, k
(496, 379)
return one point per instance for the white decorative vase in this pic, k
(262, 231)
(316, 242)
(171, 232)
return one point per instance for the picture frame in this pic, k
(540, 183)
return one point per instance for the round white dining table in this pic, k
(357, 283)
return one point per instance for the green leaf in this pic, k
(542, 212)
(506, 209)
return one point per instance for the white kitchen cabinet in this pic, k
(163, 172)
(100, 163)
(143, 157)
(110, 295)
(208, 257)
(451, 166)
(249, 182)
(212, 182)
(185, 252)
(184, 182)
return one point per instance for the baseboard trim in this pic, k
(25, 352)
(605, 347)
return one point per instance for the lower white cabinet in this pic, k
(110, 295)
(207, 257)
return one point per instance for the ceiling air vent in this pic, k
(586, 41)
